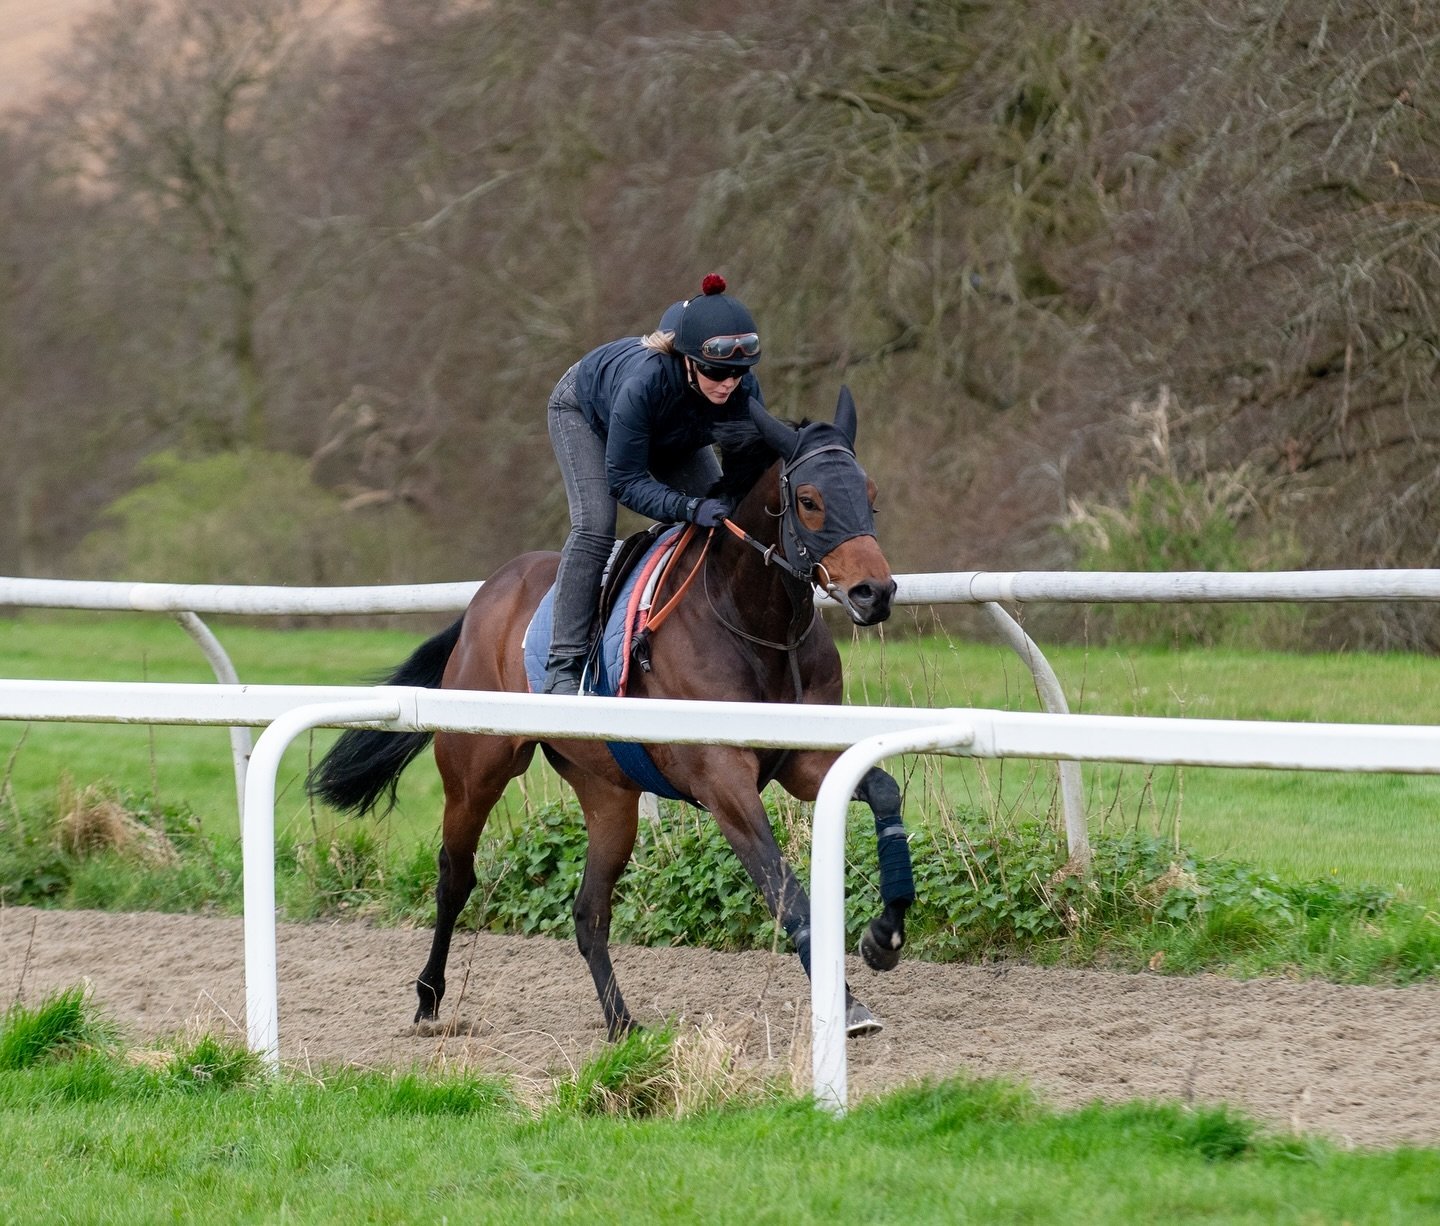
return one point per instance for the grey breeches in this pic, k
(581, 454)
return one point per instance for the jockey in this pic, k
(632, 422)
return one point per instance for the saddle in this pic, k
(626, 592)
(623, 560)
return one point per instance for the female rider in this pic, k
(633, 422)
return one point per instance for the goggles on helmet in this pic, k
(722, 348)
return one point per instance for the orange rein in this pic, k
(771, 555)
(654, 623)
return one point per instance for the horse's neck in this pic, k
(767, 599)
(759, 511)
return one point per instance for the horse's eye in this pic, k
(808, 503)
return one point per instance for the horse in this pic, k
(748, 631)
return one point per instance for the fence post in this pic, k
(262, 993)
(224, 670)
(1052, 698)
(827, 893)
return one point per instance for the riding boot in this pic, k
(572, 621)
(562, 673)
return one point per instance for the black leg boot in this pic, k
(562, 674)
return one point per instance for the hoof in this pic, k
(433, 1028)
(620, 1031)
(859, 1021)
(878, 957)
(429, 1004)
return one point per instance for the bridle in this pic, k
(791, 553)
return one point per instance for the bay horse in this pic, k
(747, 631)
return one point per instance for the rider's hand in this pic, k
(708, 512)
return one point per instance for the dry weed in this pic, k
(89, 821)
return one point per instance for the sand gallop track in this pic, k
(1359, 1065)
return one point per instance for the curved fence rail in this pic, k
(866, 735)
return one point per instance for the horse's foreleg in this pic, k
(885, 936)
(754, 843)
(611, 819)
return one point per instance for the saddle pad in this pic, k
(607, 672)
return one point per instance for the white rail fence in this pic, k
(865, 735)
(984, 588)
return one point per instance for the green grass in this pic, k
(107, 1134)
(1353, 828)
(1306, 824)
(64, 1026)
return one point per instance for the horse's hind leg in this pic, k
(475, 771)
(611, 817)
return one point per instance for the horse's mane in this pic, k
(744, 458)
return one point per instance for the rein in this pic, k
(813, 575)
(790, 649)
(665, 610)
(770, 553)
(755, 638)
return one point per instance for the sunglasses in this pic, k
(722, 348)
(718, 374)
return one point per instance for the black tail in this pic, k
(364, 765)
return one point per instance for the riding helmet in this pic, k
(715, 316)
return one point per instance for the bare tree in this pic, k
(181, 112)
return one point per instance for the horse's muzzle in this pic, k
(869, 601)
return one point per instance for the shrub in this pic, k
(104, 847)
(985, 890)
(212, 1064)
(342, 872)
(248, 517)
(1168, 521)
(661, 1073)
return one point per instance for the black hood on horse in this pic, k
(824, 498)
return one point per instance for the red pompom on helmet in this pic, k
(716, 329)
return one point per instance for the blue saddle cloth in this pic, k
(606, 671)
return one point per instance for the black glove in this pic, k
(707, 512)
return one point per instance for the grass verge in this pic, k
(1300, 825)
(985, 891)
(107, 1133)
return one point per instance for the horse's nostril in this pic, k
(872, 593)
(870, 601)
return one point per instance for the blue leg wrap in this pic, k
(897, 880)
(801, 940)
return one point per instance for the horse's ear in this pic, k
(846, 419)
(782, 439)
